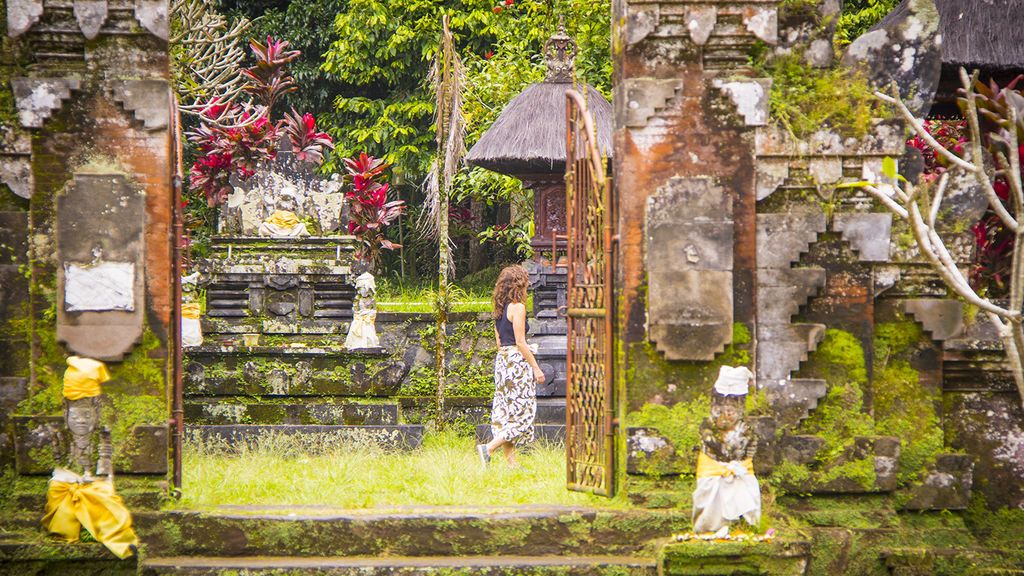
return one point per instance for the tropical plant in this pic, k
(991, 157)
(447, 80)
(233, 139)
(307, 142)
(370, 212)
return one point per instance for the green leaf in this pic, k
(889, 167)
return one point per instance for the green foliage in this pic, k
(858, 16)
(383, 50)
(805, 99)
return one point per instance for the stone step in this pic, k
(404, 566)
(551, 410)
(212, 370)
(242, 411)
(476, 409)
(317, 437)
(551, 433)
(782, 347)
(312, 531)
(793, 400)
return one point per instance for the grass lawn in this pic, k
(445, 471)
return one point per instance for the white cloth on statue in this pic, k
(362, 333)
(719, 500)
(733, 381)
(191, 332)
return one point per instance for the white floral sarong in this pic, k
(515, 397)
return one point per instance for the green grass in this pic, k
(394, 296)
(445, 471)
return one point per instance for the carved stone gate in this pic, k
(589, 427)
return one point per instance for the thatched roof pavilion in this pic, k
(527, 141)
(983, 35)
(529, 135)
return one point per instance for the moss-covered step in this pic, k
(269, 371)
(550, 433)
(314, 436)
(867, 464)
(779, 558)
(526, 531)
(32, 554)
(475, 409)
(242, 410)
(405, 566)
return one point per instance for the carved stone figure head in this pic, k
(82, 417)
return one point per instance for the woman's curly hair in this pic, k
(510, 287)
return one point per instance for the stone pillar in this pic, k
(91, 148)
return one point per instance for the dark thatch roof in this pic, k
(529, 135)
(983, 34)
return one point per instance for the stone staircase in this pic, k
(781, 292)
(295, 295)
(528, 540)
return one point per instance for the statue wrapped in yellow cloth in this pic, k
(726, 487)
(283, 223)
(76, 498)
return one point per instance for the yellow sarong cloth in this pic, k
(708, 466)
(83, 377)
(70, 506)
(190, 310)
(283, 218)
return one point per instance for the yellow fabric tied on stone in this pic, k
(83, 377)
(708, 466)
(283, 218)
(190, 311)
(70, 506)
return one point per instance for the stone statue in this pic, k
(362, 333)
(82, 415)
(726, 487)
(283, 223)
(75, 498)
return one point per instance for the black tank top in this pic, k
(506, 334)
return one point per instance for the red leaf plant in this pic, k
(270, 78)
(235, 139)
(307, 142)
(994, 243)
(370, 212)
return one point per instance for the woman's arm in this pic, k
(518, 313)
(497, 339)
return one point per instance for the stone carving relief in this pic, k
(750, 98)
(147, 100)
(90, 14)
(646, 97)
(16, 161)
(152, 15)
(100, 225)
(38, 98)
(689, 236)
(22, 15)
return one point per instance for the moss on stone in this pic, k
(839, 416)
(679, 423)
(804, 99)
(903, 407)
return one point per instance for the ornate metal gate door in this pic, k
(588, 435)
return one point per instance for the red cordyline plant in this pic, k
(370, 212)
(235, 148)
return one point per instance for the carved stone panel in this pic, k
(101, 273)
(689, 262)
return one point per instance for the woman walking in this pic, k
(516, 373)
